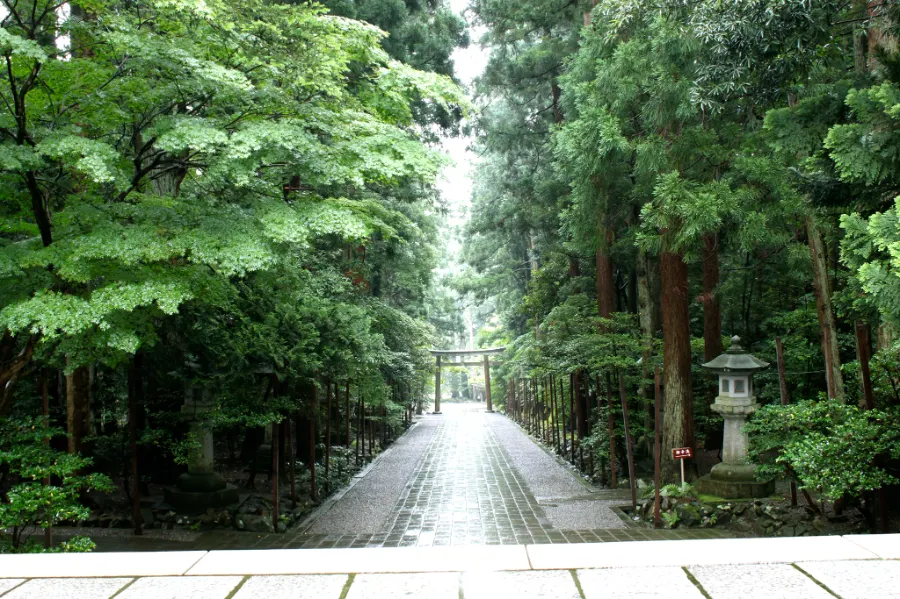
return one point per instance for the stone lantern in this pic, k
(201, 486)
(735, 477)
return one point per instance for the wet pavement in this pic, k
(465, 477)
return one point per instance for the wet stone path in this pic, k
(461, 478)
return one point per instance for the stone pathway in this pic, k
(851, 567)
(461, 478)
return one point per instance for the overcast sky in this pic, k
(456, 181)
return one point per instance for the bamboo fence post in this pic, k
(275, 428)
(628, 447)
(657, 449)
(785, 399)
(611, 427)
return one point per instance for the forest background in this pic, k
(238, 200)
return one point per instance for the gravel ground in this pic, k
(565, 499)
(366, 507)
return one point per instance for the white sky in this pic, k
(456, 182)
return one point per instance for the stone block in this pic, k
(735, 489)
(200, 500)
(434, 585)
(637, 583)
(179, 587)
(858, 579)
(68, 588)
(322, 586)
(758, 581)
(554, 584)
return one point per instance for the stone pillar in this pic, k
(487, 384)
(735, 477)
(201, 486)
(437, 385)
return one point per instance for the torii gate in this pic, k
(438, 353)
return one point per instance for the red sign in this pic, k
(681, 453)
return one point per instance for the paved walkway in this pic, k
(853, 567)
(461, 478)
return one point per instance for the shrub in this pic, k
(40, 486)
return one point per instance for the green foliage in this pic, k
(835, 449)
(30, 502)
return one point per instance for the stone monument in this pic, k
(735, 476)
(201, 486)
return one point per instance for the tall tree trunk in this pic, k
(649, 324)
(827, 321)
(678, 407)
(712, 315)
(78, 407)
(606, 291)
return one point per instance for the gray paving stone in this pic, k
(757, 581)
(181, 587)
(580, 514)
(292, 587)
(68, 588)
(637, 583)
(366, 508)
(556, 584)
(9, 583)
(858, 579)
(442, 585)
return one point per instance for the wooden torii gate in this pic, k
(452, 353)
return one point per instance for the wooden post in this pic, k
(611, 428)
(347, 414)
(275, 476)
(657, 449)
(572, 413)
(628, 447)
(785, 399)
(360, 406)
(135, 388)
(372, 431)
(313, 433)
(289, 434)
(437, 385)
(45, 408)
(487, 383)
(864, 347)
(560, 401)
(599, 405)
(554, 398)
(327, 432)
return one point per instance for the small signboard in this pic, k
(682, 453)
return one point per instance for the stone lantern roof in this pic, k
(736, 359)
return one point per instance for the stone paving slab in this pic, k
(322, 586)
(757, 581)
(442, 585)
(336, 561)
(10, 583)
(554, 584)
(682, 569)
(179, 587)
(68, 588)
(695, 552)
(637, 583)
(858, 579)
(62, 565)
(885, 546)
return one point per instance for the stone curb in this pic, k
(713, 552)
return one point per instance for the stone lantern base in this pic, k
(735, 481)
(198, 491)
